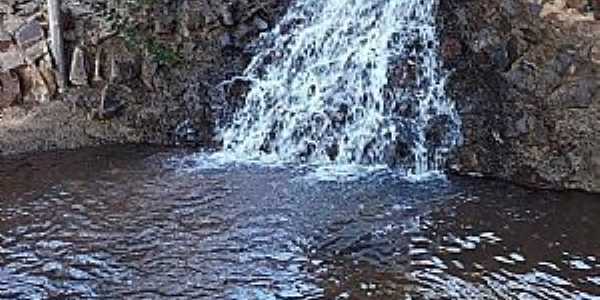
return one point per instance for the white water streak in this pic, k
(347, 82)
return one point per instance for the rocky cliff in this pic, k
(526, 78)
(140, 71)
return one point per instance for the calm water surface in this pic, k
(141, 223)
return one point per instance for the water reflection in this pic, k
(119, 222)
(514, 244)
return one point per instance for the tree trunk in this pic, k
(56, 41)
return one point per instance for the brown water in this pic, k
(133, 223)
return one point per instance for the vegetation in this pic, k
(138, 34)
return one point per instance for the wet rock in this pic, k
(185, 133)
(261, 24)
(10, 89)
(451, 49)
(437, 131)
(226, 40)
(227, 15)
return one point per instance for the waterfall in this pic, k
(347, 82)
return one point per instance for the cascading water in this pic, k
(347, 82)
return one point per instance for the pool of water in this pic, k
(145, 223)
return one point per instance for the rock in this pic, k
(451, 49)
(38, 89)
(242, 31)
(192, 18)
(163, 25)
(151, 101)
(98, 66)
(78, 75)
(226, 40)
(27, 8)
(12, 24)
(123, 64)
(11, 58)
(29, 34)
(149, 68)
(47, 72)
(5, 41)
(526, 84)
(113, 99)
(36, 51)
(579, 5)
(595, 167)
(260, 24)
(576, 94)
(227, 15)
(595, 53)
(10, 89)
(522, 125)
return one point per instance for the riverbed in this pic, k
(130, 222)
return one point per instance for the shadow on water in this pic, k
(124, 222)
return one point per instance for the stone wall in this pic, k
(26, 74)
(526, 77)
(149, 69)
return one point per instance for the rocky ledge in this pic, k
(525, 75)
(139, 71)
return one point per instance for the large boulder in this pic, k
(526, 80)
(29, 34)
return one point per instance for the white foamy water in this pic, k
(347, 82)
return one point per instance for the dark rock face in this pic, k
(152, 69)
(526, 79)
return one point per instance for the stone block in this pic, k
(10, 89)
(78, 75)
(11, 58)
(12, 24)
(5, 41)
(37, 51)
(29, 34)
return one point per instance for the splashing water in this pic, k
(347, 82)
